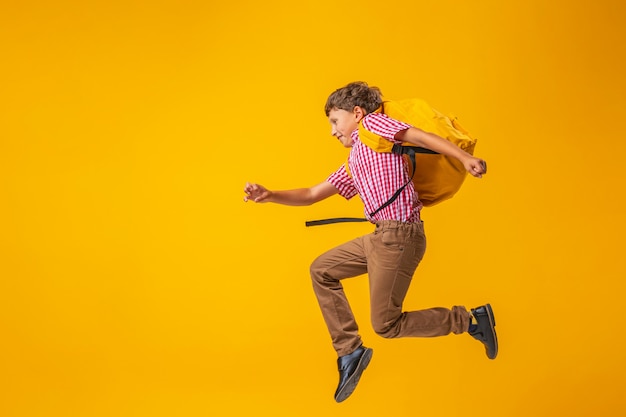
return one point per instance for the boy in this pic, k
(392, 252)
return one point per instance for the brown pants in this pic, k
(389, 256)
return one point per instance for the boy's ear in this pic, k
(359, 113)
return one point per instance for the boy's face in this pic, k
(343, 123)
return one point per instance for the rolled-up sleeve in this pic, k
(343, 182)
(384, 126)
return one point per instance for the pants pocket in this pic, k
(393, 239)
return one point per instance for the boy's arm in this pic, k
(475, 166)
(296, 197)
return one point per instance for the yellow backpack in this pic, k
(435, 177)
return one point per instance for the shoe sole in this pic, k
(492, 324)
(352, 382)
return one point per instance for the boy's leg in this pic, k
(345, 261)
(327, 271)
(394, 252)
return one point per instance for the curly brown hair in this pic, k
(352, 95)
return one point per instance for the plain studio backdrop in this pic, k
(134, 281)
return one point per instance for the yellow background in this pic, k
(135, 281)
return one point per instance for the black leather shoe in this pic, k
(485, 331)
(350, 369)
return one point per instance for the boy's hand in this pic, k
(256, 193)
(475, 166)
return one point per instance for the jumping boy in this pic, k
(393, 251)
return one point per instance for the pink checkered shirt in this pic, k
(375, 176)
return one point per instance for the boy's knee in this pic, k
(316, 269)
(386, 330)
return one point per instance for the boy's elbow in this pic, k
(310, 198)
(313, 198)
(320, 192)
